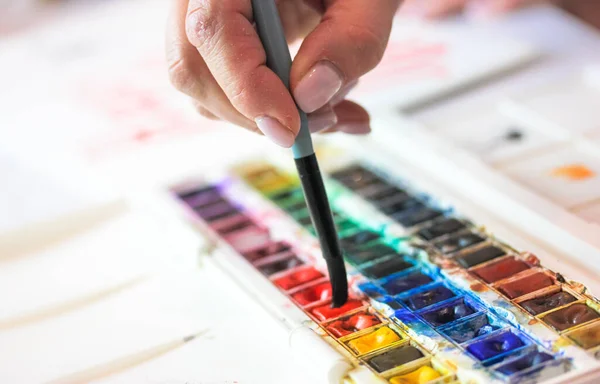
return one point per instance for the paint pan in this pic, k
(397, 205)
(271, 249)
(386, 267)
(534, 366)
(356, 177)
(313, 294)
(374, 340)
(586, 337)
(421, 375)
(500, 269)
(271, 266)
(325, 312)
(440, 228)
(396, 357)
(496, 345)
(381, 192)
(367, 253)
(472, 328)
(356, 322)
(480, 255)
(232, 224)
(547, 300)
(458, 242)
(523, 285)
(359, 239)
(217, 211)
(423, 298)
(448, 312)
(406, 282)
(298, 277)
(416, 215)
(571, 316)
(198, 198)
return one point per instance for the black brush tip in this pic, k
(339, 282)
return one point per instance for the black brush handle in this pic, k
(322, 219)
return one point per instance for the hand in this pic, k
(432, 9)
(215, 57)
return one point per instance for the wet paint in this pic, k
(525, 362)
(547, 302)
(495, 345)
(570, 316)
(405, 283)
(353, 323)
(313, 294)
(422, 375)
(398, 206)
(525, 285)
(274, 267)
(472, 328)
(378, 339)
(297, 278)
(325, 312)
(386, 267)
(441, 228)
(458, 242)
(416, 215)
(395, 358)
(574, 172)
(356, 177)
(270, 249)
(358, 239)
(381, 192)
(217, 211)
(448, 313)
(429, 297)
(480, 256)
(501, 269)
(371, 252)
(586, 337)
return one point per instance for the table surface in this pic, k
(111, 295)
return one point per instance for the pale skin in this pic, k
(216, 58)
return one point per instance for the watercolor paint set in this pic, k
(435, 296)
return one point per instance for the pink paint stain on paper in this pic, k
(141, 109)
(408, 62)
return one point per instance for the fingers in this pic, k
(190, 75)
(222, 32)
(352, 119)
(349, 41)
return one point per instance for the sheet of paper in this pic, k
(92, 266)
(234, 331)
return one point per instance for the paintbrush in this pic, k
(279, 60)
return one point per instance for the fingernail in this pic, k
(321, 119)
(275, 131)
(355, 128)
(317, 87)
(341, 95)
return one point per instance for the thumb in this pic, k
(349, 42)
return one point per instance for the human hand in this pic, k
(215, 56)
(432, 9)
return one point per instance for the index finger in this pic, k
(223, 33)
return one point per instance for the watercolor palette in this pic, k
(433, 297)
